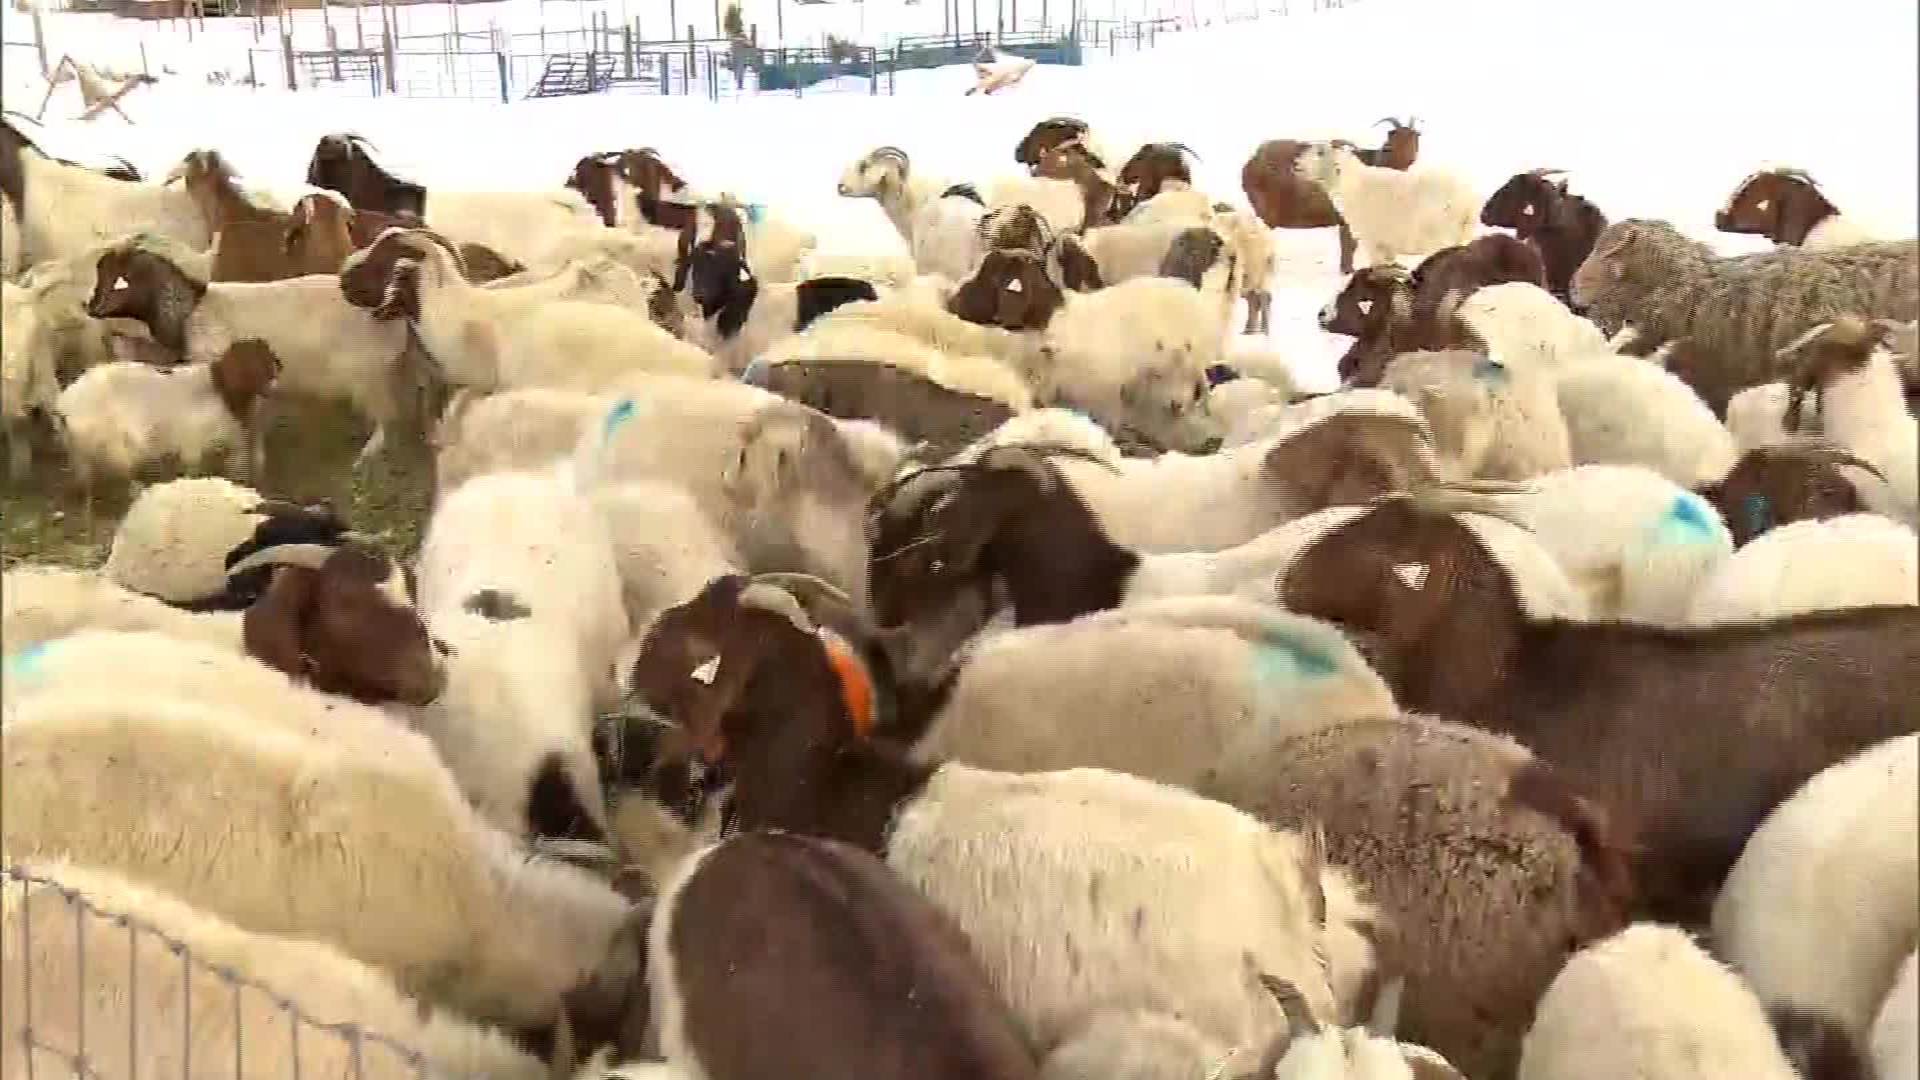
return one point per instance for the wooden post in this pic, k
(253, 76)
(455, 5)
(40, 43)
(500, 63)
(286, 53)
(386, 54)
(333, 47)
(144, 69)
(359, 29)
(780, 21)
(626, 52)
(689, 72)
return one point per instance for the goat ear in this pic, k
(271, 628)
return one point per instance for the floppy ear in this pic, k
(271, 627)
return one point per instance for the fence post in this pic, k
(626, 52)
(873, 72)
(386, 52)
(145, 70)
(690, 40)
(500, 64)
(286, 52)
(373, 74)
(333, 46)
(253, 77)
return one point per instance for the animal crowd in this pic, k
(958, 664)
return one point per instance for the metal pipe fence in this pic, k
(105, 995)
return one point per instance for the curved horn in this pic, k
(818, 586)
(1818, 448)
(1386, 1008)
(770, 597)
(1544, 171)
(1386, 120)
(1450, 499)
(307, 556)
(891, 151)
(1300, 1021)
(1185, 149)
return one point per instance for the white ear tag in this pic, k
(1762, 205)
(705, 673)
(1015, 286)
(1413, 573)
(745, 274)
(1366, 307)
(120, 283)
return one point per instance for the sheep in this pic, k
(488, 339)
(785, 484)
(1134, 355)
(939, 227)
(1798, 480)
(1861, 408)
(1253, 242)
(1490, 845)
(1559, 225)
(29, 391)
(1649, 1003)
(1060, 203)
(1624, 410)
(1638, 545)
(121, 416)
(1727, 319)
(176, 540)
(249, 241)
(911, 1002)
(741, 318)
(1787, 207)
(934, 325)
(521, 225)
(864, 331)
(1129, 250)
(335, 617)
(1769, 704)
(63, 211)
(1895, 1045)
(1488, 419)
(1822, 907)
(664, 548)
(515, 429)
(502, 937)
(235, 992)
(1157, 934)
(1393, 214)
(325, 347)
(1850, 561)
(1525, 324)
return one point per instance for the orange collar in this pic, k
(856, 684)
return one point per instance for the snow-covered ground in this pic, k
(1656, 109)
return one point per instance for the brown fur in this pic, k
(985, 298)
(1285, 201)
(1560, 226)
(1347, 460)
(908, 403)
(1046, 135)
(593, 178)
(1765, 705)
(243, 375)
(1191, 254)
(365, 226)
(480, 263)
(1146, 173)
(368, 284)
(1400, 149)
(249, 241)
(1382, 330)
(1448, 276)
(1105, 202)
(1075, 269)
(1794, 205)
(334, 629)
(646, 171)
(1727, 318)
(344, 163)
(159, 294)
(848, 971)
(14, 147)
(1489, 870)
(319, 235)
(1777, 485)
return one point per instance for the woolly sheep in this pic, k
(490, 340)
(1058, 202)
(514, 429)
(892, 271)
(326, 348)
(1855, 560)
(1757, 415)
(936, 326)
(1822, 907)
(47, 602)
(138, 993)
(386, 862)
(174, 541)
(1896, 1032)
(1649, 1003)
(1488, 419)
(1393, 214)
(1637, 545)
(120, 417)
(1192, 682)
(1253, 243)
(664, 546)
(27, 382)
(1623, 410)
(1133, 249)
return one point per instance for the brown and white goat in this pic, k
(1284, 200)
(1561, 226)
(1787, 207)
(1046, 135)
(248, 240)
(1796, 480)
(1767, 704)
(1153, 167)
(1106, 202)
(1376, 309)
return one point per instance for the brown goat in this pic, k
(1285, 201)
(1797, 480)
(594, 178)
(1106, 202)
(319, 235)
(1561, 226)
(1488, 868)
(344, 163)
(1044, 136)
(365, 279)
(242, 376)
(1400, 149)
(989, 297)
(908, 403)
(1766, 704)
(851, 972)
(1376, 309)
(1152, 166)
(248, 240)
(1450, 275)
(1782, 205)
(329, 617)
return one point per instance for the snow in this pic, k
(1655, 108)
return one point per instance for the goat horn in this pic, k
(818, 586)
(1818, 448)
(1386, 120)
(307, 556)
(1185, 149)
(1300, 1021)
(288, 508)
(767, 596)
(1456, 498)
(1386, 1008)
(1546, 172)
(585, 853)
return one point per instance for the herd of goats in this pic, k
(959, 664)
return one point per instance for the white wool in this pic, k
(1757, 415)
(1865, 411)
(122, 416)
(1059, 202)
(892, 271)
(137, 991)
(1393, 214)
(173, 541)
(1854, 560)
(1895, 1047)
(1623, 410)
(1132, 248)
(516, 429)
(1527, 326)
(665, 548)
(1650, 1004)
(1488, 419)
(1134, 356)
(42, 603)
(524, 226)
(70, 209)
(1837, 230)
(1823, 904)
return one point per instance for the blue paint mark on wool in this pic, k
(621, 412)
(756, 212)
(1688, 520)
(1759, 513)
(1490, 370)
(1221, 373)
(1280, 660)
(756, 372)
(24, 663)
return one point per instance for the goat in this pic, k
(1284, 200)
(1787, 207)
(1559, 225)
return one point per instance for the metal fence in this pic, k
(106, 995)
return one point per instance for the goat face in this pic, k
(593, 177)
(717, 275)
(931, 532)
(1777, 485)
(873, 176)
(1782, 205)
(650, 176)
(1011, 290)
(340, 619)
(1046, 135)
(1152, 166)
(133, 283)
(1524, 203)
(1362, 303)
